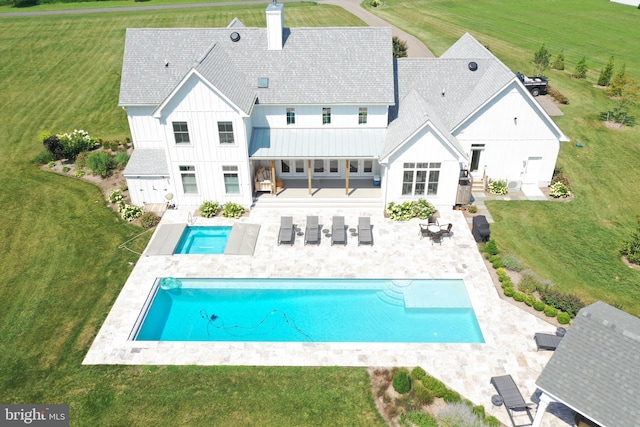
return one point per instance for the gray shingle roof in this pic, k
(315, 66)
(147, 162)
(596, 368)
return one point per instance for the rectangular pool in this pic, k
(203, 240)
(309, 310)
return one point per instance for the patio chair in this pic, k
(312, 231)
(424, 231)
(436, 236)
(364, 231)
(446, 230)
(338, 231)
(546, 341)
(512, 399)
(286, 230)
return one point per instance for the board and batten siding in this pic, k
(424, 147)
(513, 130)
(310, 116)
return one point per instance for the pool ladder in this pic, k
(190, 219)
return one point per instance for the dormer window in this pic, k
(362, 116)
(326, 116)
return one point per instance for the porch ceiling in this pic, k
(316, 143)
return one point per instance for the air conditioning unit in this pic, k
(514, 186)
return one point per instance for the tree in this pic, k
(399, 48)
(580, 72)
(606, 73)
(628, 95)
(618, 82)
(541, 59)
(558, 62)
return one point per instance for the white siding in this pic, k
(310, 116)
(425, 147)
(149, 189)
(512, 130)
(145, 132)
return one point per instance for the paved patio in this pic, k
(397, 253)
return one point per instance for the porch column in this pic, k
(545, 399)
(273, 178)
(309, 171)
(346, 181)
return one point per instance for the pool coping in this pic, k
(508, 331)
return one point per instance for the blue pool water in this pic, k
(203, 240)
(313, 310)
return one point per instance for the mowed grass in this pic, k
(573, 244)
(61, 266)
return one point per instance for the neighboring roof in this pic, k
(596, 368)
(147, 162)
(316, 143)
(413, 114)
(315, 66)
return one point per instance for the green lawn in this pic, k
(573, 244)
(59, 257)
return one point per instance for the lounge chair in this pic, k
(286, 230)
(512, 398)
(546, 341)
(364, 231)
(312, 231)
(338, 231)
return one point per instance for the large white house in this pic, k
(223, 113)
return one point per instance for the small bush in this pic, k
(498, 187)
(121, 159)
(66, 169)
(607, 72)
(580, 71)
(479, 411)
(550, 311)
(559, 190)
(418, 419)
(79, 173)
(436, 386)
(406, 210)
(209, 209)
(76, 142)
(82, 160)
(149, 220)
(491, 248)
(538, 306)
(232, 210)
(54, 146)
(423, 209)
(507, 283)
(501, 271)
(563, 318)
(451, 396)
(530, 300)
(511, 262)
(458, 415)
(529, 282)
(509, 292)
(472, 209)
(100, 163)
(631, 248)
(496, 261)
(129, 212)
(558, 62)
(43, 157)
(401, 382)
(423, 394)
(568, 303)
(51, 164)
(418, 373)
(557, 95)
(115, 196)
(492, 421)
(519, 296)
(559, 176)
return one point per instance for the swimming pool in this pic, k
(203, 240)
(308, 310)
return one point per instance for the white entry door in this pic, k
(532, 171)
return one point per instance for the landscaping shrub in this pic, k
(121, 159)
(550, 311)
(511, 262)
(557, 95)
(51, 164)
(509, 292)
(538, 306)
(503, 277)
(115, 196)
(79, 173)
(43, 157)
(530, 300)
(492, 421)
(436, 386)
(54, 146)
(129, 212)
(401, 382)
(491, 248)
(529, 282)
(76, 142)
(501, 272)
(472, 209)
(479, 411)
(418, 373)
(558, 62)
(423, 209)
(519, 296)
(498, 187)
(209, 209)
(580, 71)
(507, 283)
(149, 220)
(423, 394)
(631, 248)
(451, 396)
(605, 75)
(568, 303)
(418, 419)
(232, 210)
(458, 415)
(410, 209)
(100, 163)
(496, 261)
(559, 176)
(559, 190)
(82, 160)
(563, 318)
(66, 169)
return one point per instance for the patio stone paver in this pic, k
(398, 253)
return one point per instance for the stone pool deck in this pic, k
(398, 253)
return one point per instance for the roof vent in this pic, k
(263, 82)
(473, 66)
(235, 36)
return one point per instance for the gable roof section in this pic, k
(315, 66)
(596, 368)
(414, 114)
